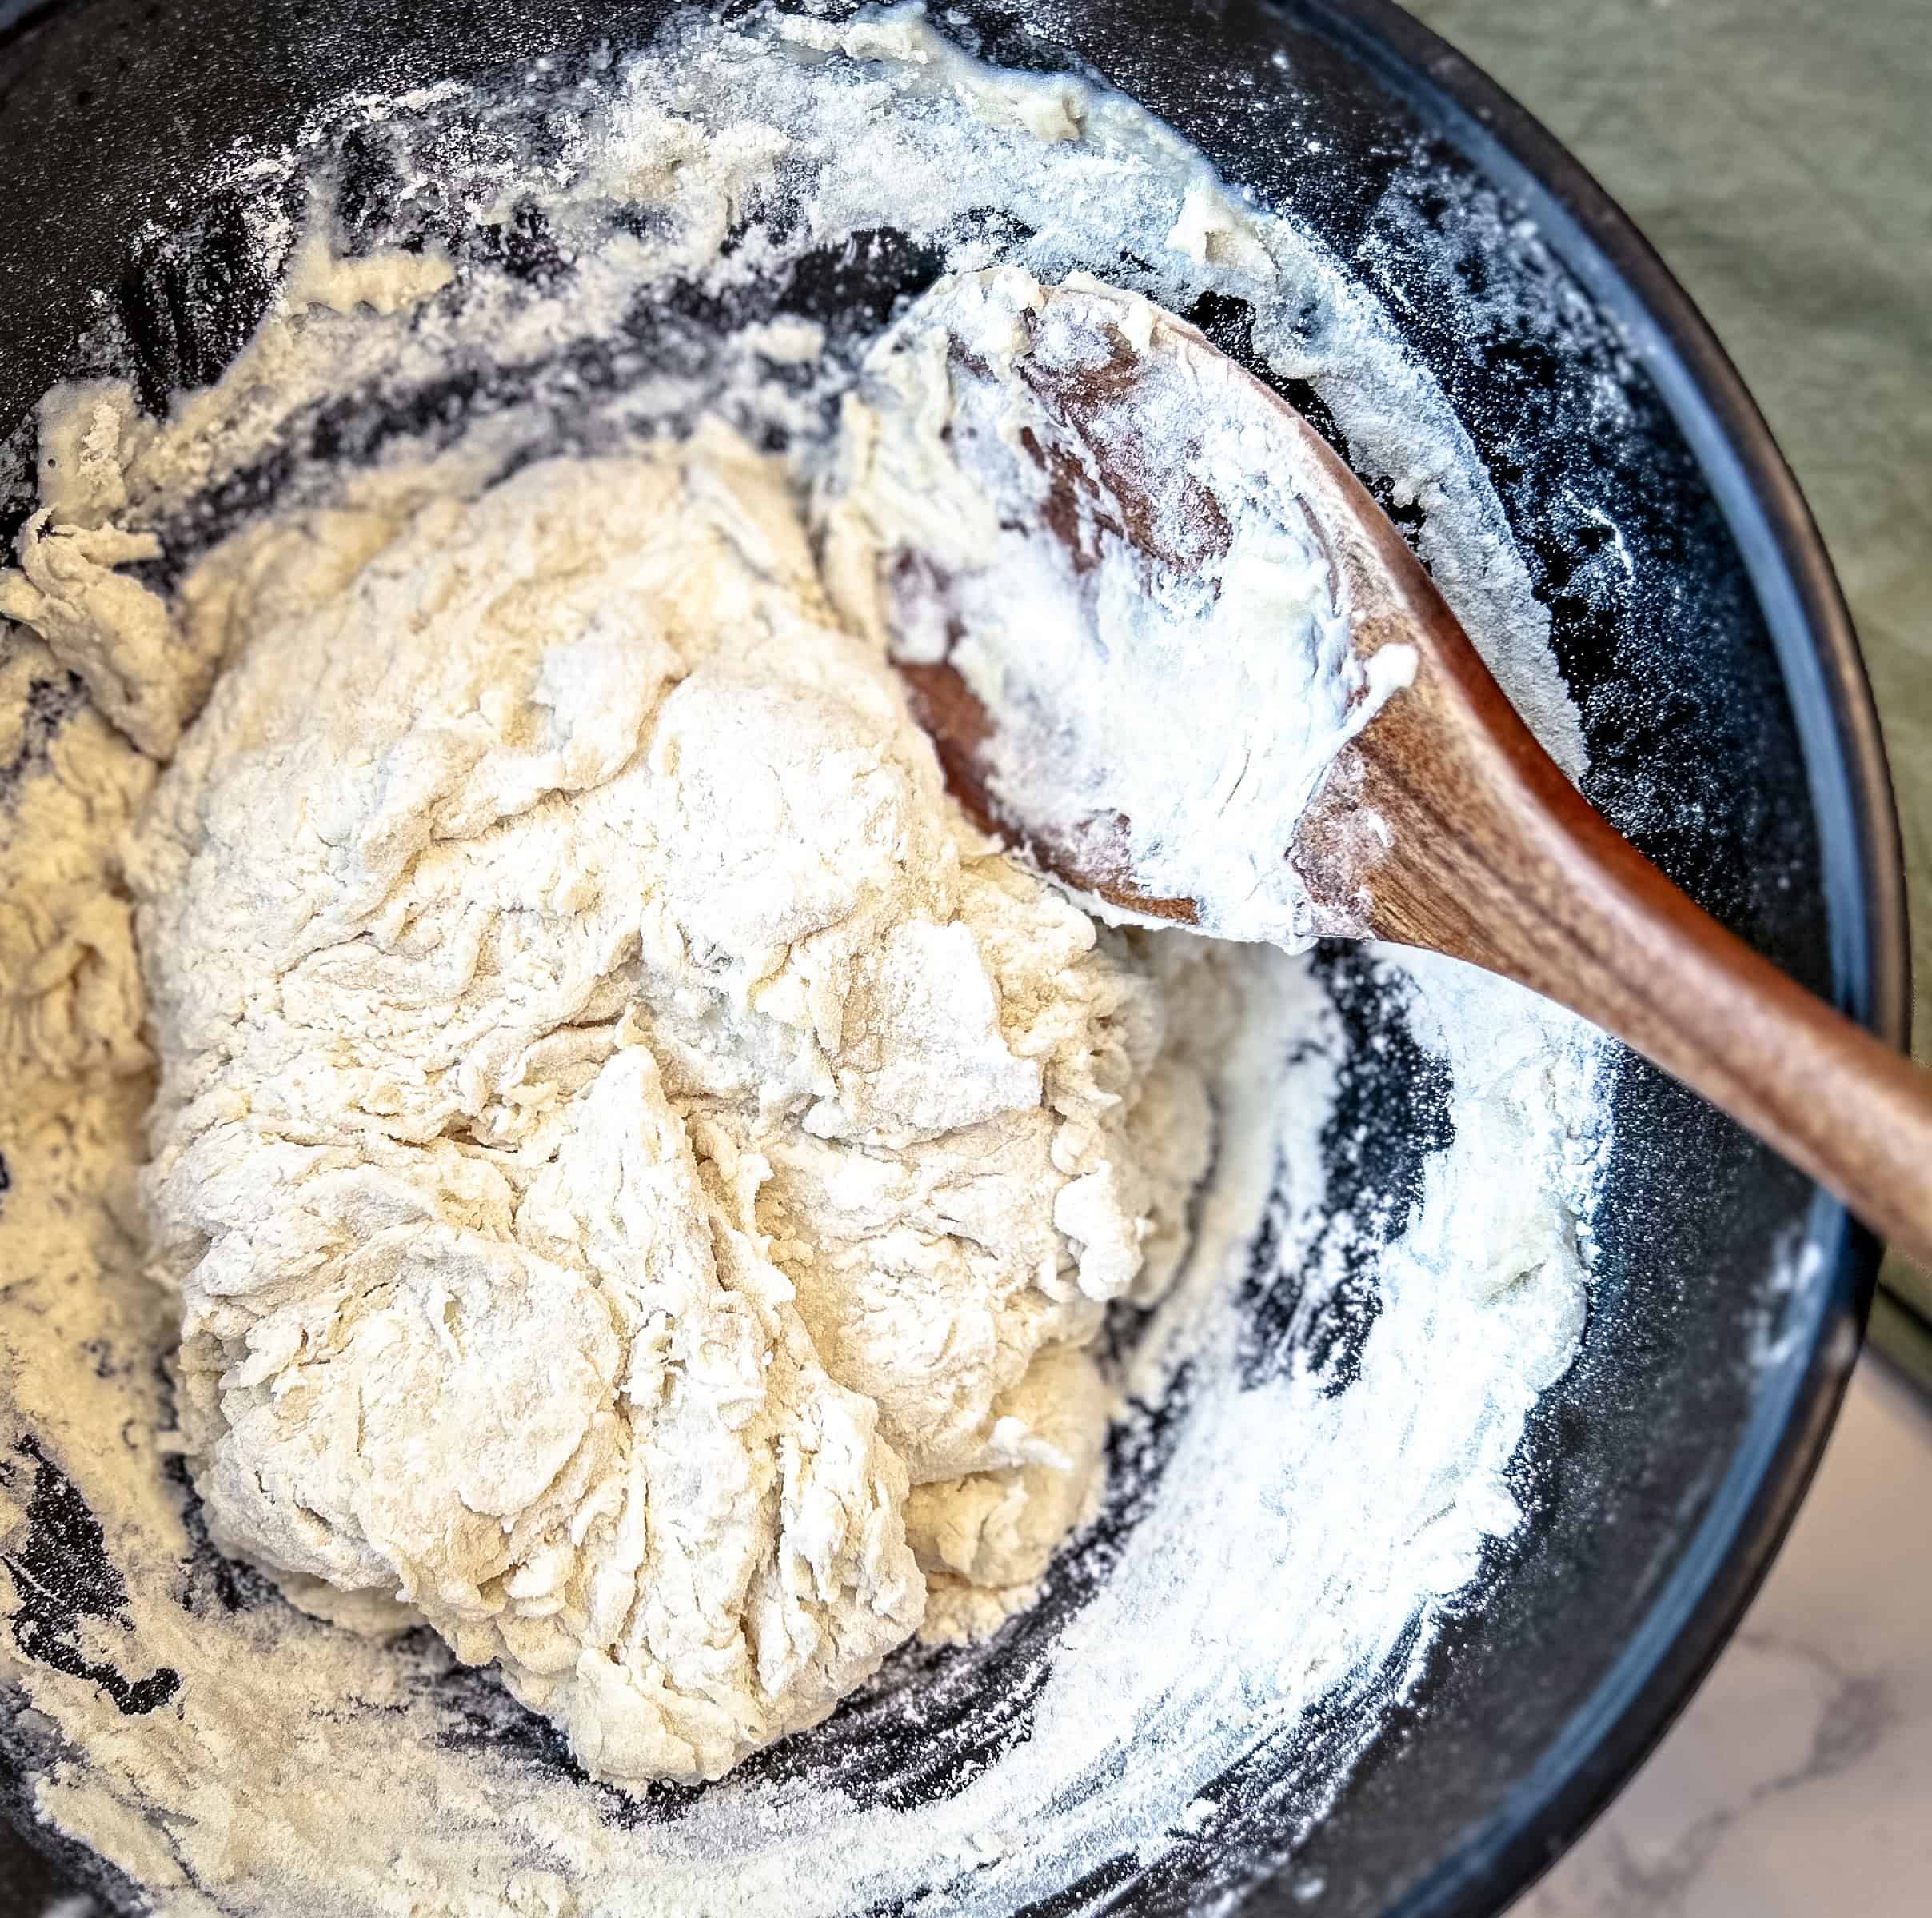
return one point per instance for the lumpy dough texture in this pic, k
(641, 1173)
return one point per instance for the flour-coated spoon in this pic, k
(1130, 464)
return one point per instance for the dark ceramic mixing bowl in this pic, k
(1729, 726)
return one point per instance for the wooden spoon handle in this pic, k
(1630, 952)
(1514, 871)
(1478, 846)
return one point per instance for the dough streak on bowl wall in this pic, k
(530, 417)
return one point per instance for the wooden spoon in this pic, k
(1442, 825)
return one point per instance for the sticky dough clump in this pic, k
(642, 1174)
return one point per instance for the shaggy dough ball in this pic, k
(641, 1173)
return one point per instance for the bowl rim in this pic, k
(1861, 861)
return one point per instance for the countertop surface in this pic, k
(1798, 1784)
(1774, 152)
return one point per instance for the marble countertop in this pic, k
(1798, 1781)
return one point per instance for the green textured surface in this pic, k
(1906, 1340)
(1779, 154)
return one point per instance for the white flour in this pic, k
(1278, 1539)
(1087, 566)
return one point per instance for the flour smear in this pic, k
(1321, 1416)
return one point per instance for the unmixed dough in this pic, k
(641, 1171)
